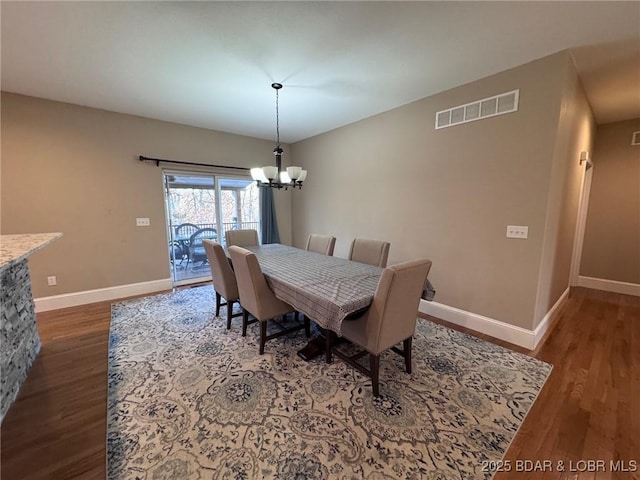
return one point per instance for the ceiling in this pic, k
(211, 64)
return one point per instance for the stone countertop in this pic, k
(14, 248)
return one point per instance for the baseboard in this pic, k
(609, 285)
(489, 326)
(522, 337)
(546, 321)
(55, 302)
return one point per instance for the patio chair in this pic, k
(182, 235)
(176, 252)
(186, 230)
(197, 252)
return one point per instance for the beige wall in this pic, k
(448, 194)
(576, 130)
(611, 248)
(72, 169)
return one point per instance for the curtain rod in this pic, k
(158, 160)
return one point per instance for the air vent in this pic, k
(485, 108)
(443, 119)
(635, 138)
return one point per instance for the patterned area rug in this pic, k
(190, 400)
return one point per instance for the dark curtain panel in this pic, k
(268, 221)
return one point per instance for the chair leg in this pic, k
(263, 335)
(229, 313)
(407, 353)
(245, 322)
(218, 298)
(374, 365)
(307, 325)
(329, 345)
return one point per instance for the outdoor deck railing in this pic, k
(179, 249)
(226, 226)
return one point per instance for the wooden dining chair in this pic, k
(224, 280)
(258, 299)
(371, 252)
(391, 319)
(241, 238)
(321, 244)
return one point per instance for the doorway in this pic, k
(202, 207)
(583, 206)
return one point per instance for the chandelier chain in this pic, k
(277, 120)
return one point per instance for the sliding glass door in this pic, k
(201, 206)
(239, 205)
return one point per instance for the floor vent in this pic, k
(635, 138)
(485, 108)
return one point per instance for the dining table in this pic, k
(327, 289)
(324, 288)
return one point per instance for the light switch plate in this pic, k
(142, 222)
(517, 231)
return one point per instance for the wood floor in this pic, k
(588, 411)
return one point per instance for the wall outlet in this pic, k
(517, 231)
(52, 281)
(142, 222)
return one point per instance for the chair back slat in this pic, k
(186, 229)
(197, 252)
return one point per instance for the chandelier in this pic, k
(275, 177)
